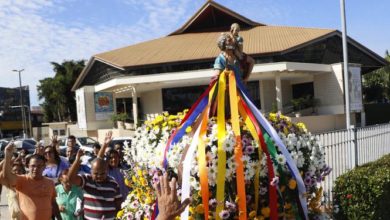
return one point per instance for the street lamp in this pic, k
(21, 102)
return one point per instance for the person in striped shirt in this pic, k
(102, 197)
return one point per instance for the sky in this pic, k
(34, 33)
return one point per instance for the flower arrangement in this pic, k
(147, 153)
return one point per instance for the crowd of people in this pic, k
(46, 185)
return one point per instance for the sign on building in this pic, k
(104, 105)
(355, 89)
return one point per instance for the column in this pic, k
(135, 105)
(278, 88)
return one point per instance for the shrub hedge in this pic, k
(364, 192)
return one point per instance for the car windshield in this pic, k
(86, 141)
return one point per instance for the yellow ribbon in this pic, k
(238, 148)
(221, 139)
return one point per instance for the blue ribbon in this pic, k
(182, 130)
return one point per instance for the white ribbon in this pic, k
(185, 185)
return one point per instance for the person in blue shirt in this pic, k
(227, 59)
(55, 164)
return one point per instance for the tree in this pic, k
(376, 85)
(59, 100)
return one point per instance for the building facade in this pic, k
(169, 73)
(11, 123)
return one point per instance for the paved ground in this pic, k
(4, 214)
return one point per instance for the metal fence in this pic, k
(348, 148)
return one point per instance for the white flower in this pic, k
(281, 159)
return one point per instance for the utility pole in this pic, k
(345, 64)
(21, 103)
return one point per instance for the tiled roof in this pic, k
(202, 46)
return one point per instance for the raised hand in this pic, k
(10, 148)
(54, 140)
(169, 205)
(108, 138)
(79, 154)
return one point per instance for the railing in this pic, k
(348, 148)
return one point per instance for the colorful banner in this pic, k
(104, 105)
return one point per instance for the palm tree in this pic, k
(59, 101)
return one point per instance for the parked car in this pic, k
(3, 144)
(84, 143)
(26, 144)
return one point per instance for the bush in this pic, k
(364, 192)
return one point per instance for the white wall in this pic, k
(151, 102)
(286, 92)
(89, 110)
(328, 87)
(268, 94)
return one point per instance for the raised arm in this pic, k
(2, 174)
(9, 176)
(107, 141)
(74, 169)
(55, 143)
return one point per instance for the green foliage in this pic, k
(304, 102)
(364, 192)
(59, 101)
(119, 117)
(376, 85)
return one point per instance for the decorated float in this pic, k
(232, 161)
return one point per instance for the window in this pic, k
(125, 105)
(303, 90)
(177, 99)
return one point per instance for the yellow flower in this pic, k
(285, 131)
(302, 126)
(191, 209)
(287, 205)
(172, 117)
(166, 114)
(272, 115)
(127, 182)
(120, 213)
(158, 119)
(265, 211)
(292, 184)
(199, 209)
(185, 110)
(260, 217)
(252, 214)
(190, 218)
(188, 129)
(148, 200)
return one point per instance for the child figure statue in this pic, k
(246, 62)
